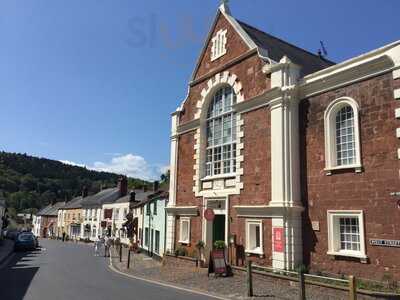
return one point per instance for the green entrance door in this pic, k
(219, 228)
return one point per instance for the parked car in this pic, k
(12, 234)
(25, 241)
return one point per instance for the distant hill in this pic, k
(31, 183)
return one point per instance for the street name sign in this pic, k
(385, 243)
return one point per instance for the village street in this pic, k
(70, 271)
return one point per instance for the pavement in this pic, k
(65, 271)
(6, 249)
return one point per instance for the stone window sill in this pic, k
(221, 176)
(330, 170)
(359, 255)
(258, 252)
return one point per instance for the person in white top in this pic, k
(97, 245)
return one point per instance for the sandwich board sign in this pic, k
(217, 263)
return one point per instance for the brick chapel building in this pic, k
(298, 157)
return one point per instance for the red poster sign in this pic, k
(278, 239)
(209, 214)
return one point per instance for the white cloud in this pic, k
(71, 163)
(131, 165)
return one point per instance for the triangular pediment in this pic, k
(237, 42)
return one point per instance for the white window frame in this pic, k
(330, 135)
(221, 145)
(333, 217)
(218, 48)
(181, 221)
(259, 250)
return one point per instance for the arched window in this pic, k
(342, 142)
(221, 134)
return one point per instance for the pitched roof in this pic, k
(74, 203)
(105, 196)
(140, 196)
(152, 196)
(277, 48)
(50, 210)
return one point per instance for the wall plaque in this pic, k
(315, 225)
(385, 243)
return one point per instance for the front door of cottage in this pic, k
(218, 228)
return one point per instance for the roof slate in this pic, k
(50, 210)
(102, 197)
(74, 203)
(277, 48)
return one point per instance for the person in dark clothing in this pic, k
(63, 237)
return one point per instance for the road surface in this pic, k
(66, 271)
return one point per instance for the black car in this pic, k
(25, 241)
(12, 234)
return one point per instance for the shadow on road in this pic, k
(17, 276)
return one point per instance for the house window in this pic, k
(125, 212)
(157, 242)
(146, 237)
(342, 142)
(221, 134)
(155, 208)
(218, 48)
(184, 231)
(345, 143)
(254, 236)
(148, 209)
(346, 233)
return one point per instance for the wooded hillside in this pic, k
(31, 182)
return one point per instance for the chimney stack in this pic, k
(133, 196)
(123, 186)
(155, 186)
(85, 192)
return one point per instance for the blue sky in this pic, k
(94, 82)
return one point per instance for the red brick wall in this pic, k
(234, 45)
(368, 191)
(257, 167)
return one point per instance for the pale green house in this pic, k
(154, 224)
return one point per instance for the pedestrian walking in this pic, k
(97, 245)
(63, 237)
(107, 246)
(106, 249)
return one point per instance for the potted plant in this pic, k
(219, 245)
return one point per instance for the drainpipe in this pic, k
(165, 227)
(149, 240)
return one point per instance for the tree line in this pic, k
(29, 183)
